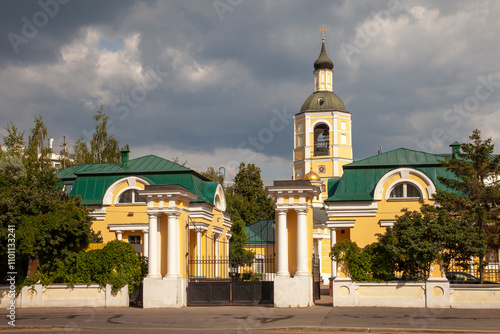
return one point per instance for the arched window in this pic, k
(405, 190)
(321, 140)
(131, 196)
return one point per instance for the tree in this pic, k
(14, 141)
(475, 191)
(102, 148)
(247, 198)
(213, 175)
(48, 223)
(82, 154)
(416, 240)
(37, 153)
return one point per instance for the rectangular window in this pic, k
(299, 171)
(300, 141)
(300, 127)
(135, 241)
(343, 139)
(342, 125)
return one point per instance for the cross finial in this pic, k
(323, 30)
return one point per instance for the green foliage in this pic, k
(49, 224)
(417, 239)
(12, 166)
(213, 175)
(115, 264)
(247, 198)
(475, 190)
(103, 148)
(358, 262)
(238, 255)
(14, 141)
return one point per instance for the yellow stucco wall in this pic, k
(121, 214)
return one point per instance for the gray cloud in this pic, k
(223, 73)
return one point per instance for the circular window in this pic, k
(321, 101)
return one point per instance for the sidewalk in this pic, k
(322, 318)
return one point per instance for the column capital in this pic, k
(301, 210)
(173, 213)
(281, 210)
(153, 213)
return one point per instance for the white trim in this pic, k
(340, 223)
(118, 195)
(404, 174)
(387, 222)
(352, 209)
(226, 220)
(410, 181)
(201, 211)
(129, 227)
(321, 121)
(131, 180)
(198, 226)
(217, 230)
(99, 213)
(220, 192)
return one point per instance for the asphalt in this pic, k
(322, 318)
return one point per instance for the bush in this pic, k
(115, 264)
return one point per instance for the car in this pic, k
(464, 278)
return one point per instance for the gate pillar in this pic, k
(293, 282)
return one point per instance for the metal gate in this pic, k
(316, 277)
(227, 272)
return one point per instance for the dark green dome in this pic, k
(323, 101)
(323, 60)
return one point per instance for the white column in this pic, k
(153, 246)
(172, 251)
(282, 243)
(119, 235)
(145, 243)
(159, 243)
(198, 252)
(177, 246)
(333, 241)
(216, 236)
(302, 269)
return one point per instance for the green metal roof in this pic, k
(261, 232)
(323, 101)
(399, 157)
(360, 178)
(92, 180)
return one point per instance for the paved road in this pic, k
(227, 319)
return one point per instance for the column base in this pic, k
(293, 292)
(164, 292)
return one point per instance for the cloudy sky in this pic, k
(218, 82)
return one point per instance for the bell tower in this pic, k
(322, 128)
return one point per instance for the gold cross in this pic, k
(323, 29)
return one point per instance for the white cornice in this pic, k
(352, 209)
(201, 210)
(340, 223)
(99, 213)
(129, 227)
(387, 222)
(226, 219)
(198, 226)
